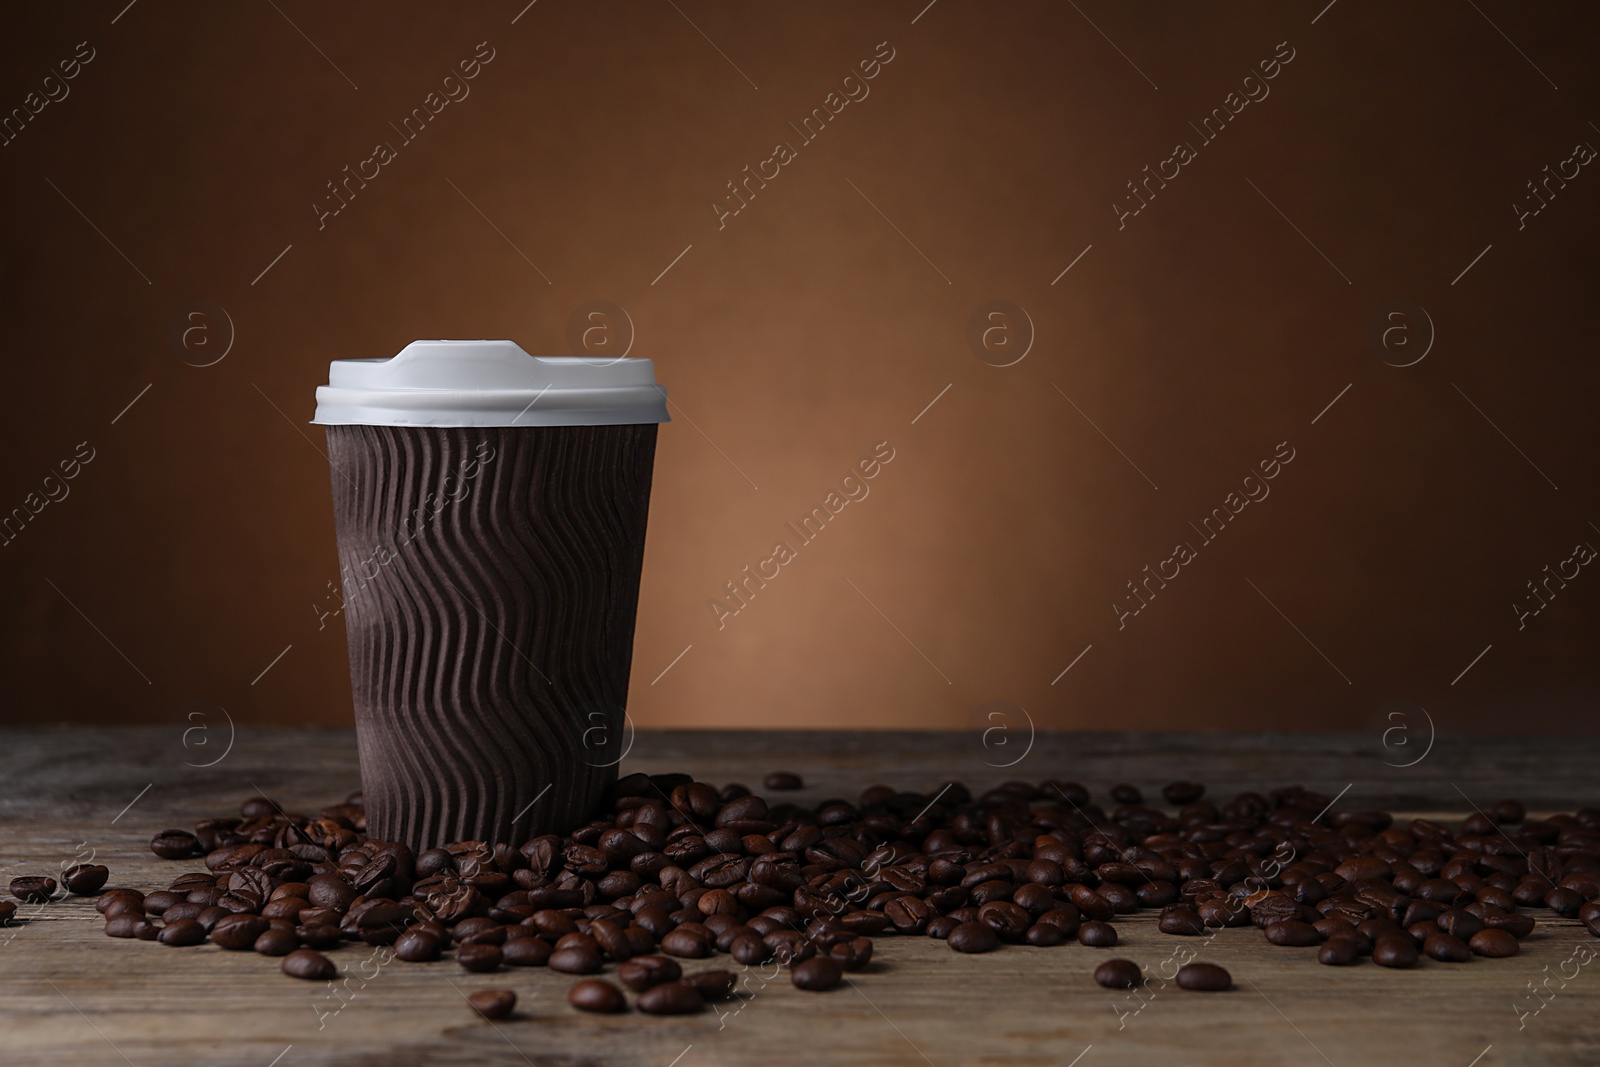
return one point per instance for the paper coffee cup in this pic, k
(490, 509)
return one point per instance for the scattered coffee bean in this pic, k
(1203, 977)
(1338, 951)
(1119, 974)
(493, 1003)
(85, 879)
(182, 932)
(671, 998)
(525, 952)
(1446, 948)
(1493, 943)
(1183, 792)
(779, 781)
(1097, 934)
(597, 995)
(277, 941)
(7, 910)
(309, 964)
(973, 937)
(1396, 948)
(574, 959)
(712, 985)
(817, 974)
(238, 932)
(483, 958)
(175, 844)
(1127, 794)
(33, 889)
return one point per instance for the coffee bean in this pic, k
(1127, 794)
(575, 959)
(277, 942)
(1097, 934)
(309, 964)
(85, 879)
(597, 995)
(1182, 920)
(973, 937)
(783, 780)
(182, 932)
(1119, 974)
(642, 972)
(671, 998)
(1493, 943)
(1337, 951)
(33, 889)
(1446, 948)
(1044, 935)
(852, 955)
(1203, 977)
(1292, 932)
(1517, 925)
(712, 985)
(525, 952)
(175, 844)
(817, 974)
(493, 1003)
(1396, 949)
(687, 943)
(1008, 921)
(483, 958)
(1183, 792)
(239, 932)
(7, 910)
(750, 949)
(130, 926)
(317, 935)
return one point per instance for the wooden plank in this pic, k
(68, 994)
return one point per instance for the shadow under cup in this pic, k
(490, 578)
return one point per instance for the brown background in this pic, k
(198, 543)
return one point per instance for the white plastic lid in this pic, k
(488, 383)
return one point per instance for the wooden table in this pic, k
(70, 995)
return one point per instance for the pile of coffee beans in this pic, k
(681, 871)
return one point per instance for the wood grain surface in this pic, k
(70, 995)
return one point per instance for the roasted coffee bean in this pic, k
(493, 1003)
(712, 985)
(1446, 948)
(239, 932)
(418, 946)
(818, 974)
(1516, 924)
(526, 952)
(1009, 922)
(129, 925)
(1044, 935)
(1181, 792)
(33, 889)
(316, 935)
(1338, 951)
(783, 781)
(851, 955)
(85, 879)
(750, 949)
(642, 972)
(1182, 920)
(576, 959)
(1203, 977)
(1119, 974)
(597, 995)
(175, 844)
(1127, 794)
(1292, 932)
(482, 958)
(277, 941)
(688, 943)
(671, 998)
(973, 937)
(182, 932)
(1097, 934)
(1493, 943)
(309, 964)
(1396, 949)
